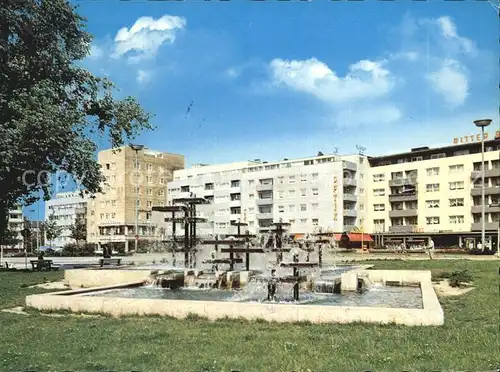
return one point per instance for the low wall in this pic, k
(430, 314)
(90, 278)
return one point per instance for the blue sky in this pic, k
(275, 79)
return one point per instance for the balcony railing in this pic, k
(402, 182)
(490, 190)
(264, 216)
(349, 181)
(403, 213)
(476, 174)
(265, 201)
(264, 187)
(487, 209)
(491, 226)
(403, 197)
(350, 197)
(350, 213)
(403, 228)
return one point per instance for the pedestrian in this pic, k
(430, 249)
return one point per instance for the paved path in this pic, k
(149, 258)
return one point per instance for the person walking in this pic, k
(430, 249)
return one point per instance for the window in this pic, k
(379, 207)
(432, 203)
(303, 221)
(149, 203)
(150, 191)
(457, 219)
(433, 171)
(149, 167)
(315, 221)
(303, 207)
(417, 158)
(378, 177)
(281, 194)
(291, 193)
(113, 215)
(457, 202)
(314, 176)
(291, 179)
(361, 206)
(379, 192)
(432, 187)
(461, 152)
(281, 180)
(458, 185)
(292, 222)
(315, 206)
(459, 168)
(281, 208)
(107, 216)
(251, 196)
(161, 192)
(315, 192)
(303, 193)
(235, 183)
(432, 220)
(303, 178)
(438, 156)
(291, 208)
(251, 182)
(149, 179)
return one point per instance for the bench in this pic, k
(39, 265)
(110, 261)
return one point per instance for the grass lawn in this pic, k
(469, 340)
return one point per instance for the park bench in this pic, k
(110, 261)
(39, 265)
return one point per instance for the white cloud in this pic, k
(450, 81)
(368, 115)
(146, 35)
(232, 73)
(144, 76)
(449, 32)
(95, 52)
(366, 79)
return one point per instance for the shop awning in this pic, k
(356, 237)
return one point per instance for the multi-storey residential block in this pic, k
(66, 208)
(16, 225)
(435, 192)
(325, 191)
(111, 215)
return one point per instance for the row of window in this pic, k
(302, 221)
(454, 202)
(434, 220)
(452, 169)
(291, 208)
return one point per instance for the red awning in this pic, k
(356, 237)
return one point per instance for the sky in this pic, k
(239, 80)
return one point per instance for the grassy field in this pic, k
(468, 340)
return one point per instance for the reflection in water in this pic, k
(256, 291)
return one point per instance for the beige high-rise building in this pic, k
(111, 216)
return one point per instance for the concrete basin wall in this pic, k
(90, 278)
(430, 315)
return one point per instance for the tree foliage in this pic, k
(52, 229)
(78, 230)
(51, 109)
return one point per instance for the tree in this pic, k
(52, 229)
(78, 230)
(51, 109)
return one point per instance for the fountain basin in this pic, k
(98, 300)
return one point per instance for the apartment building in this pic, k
(324, 191)
(435, 192)
(16, 224)
(111, 215)
(66, 208)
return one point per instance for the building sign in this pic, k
(335, 196)
(473, 138)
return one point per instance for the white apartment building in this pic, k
(435, 192)
(324, 191)
(66, 207)
(16, 224)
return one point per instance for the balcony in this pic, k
(349, 165)
(402, 182)
(403, 213)
(490, 226)
(267, 201)
(265, 216)
(350, 213)
(491, 190)
(349, 181)
(494, 172)
(350, 197)
(348, 227)
(403, 228)
(488, 209)
(235, 203)
(403, 197)
(264, 187)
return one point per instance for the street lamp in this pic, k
(482, 123)
(136, 148)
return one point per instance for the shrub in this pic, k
(459, 276)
